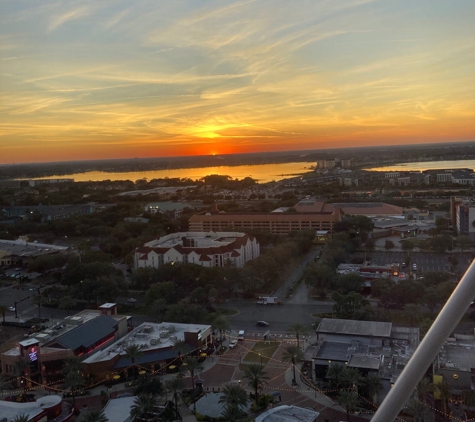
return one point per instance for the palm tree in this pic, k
(443, 389)
(298, 329)
(4, 384)
(71, 364)
(256, 375)
(418, 410)
(3, 309)
(424, 390)
(21, 367)
(233, 395)
(221, 324)
(334, 374)
(21, 418)
(412, 313)
(174, 386)
(372, 385)
(231, 413)
(348, 400)
(158, 308)
(67, 302)
(39, 300)
(193, 366)
(182, 348)
(292, 355)
(133, 352)
(74, 381)
(351, 378)
(149, 385)
(94, 416)
(143, 408)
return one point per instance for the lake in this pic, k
(263, 173)
(427, 165)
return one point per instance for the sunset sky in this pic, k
(115, 78)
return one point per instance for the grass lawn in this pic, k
(264, 349)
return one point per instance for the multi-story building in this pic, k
(325, 164)
(464, 218)
(208, 249)
(48, 213)
(274, 222)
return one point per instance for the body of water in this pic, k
(263, 173)
(427, 165)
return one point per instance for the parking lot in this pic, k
(425, 261)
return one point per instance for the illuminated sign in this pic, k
(33, 355)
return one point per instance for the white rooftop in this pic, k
(28, 342)
(288, 414)
(149, 336)
(118, 410)
(11, 410)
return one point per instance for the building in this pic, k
(455, 364)
(325, 164)
(5, 258)
(47, 408)
(118, 410)
(17, 252)
(210, 249)
(274, 222)
(47, 212)
(370, 346)
(173, 209)
(456, 176)
(156, 343)
(464, 218)
(164, 190)
(37, 182)
(288, 414)
(369, 209)
(80, 335)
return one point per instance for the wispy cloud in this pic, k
(174, 74)
(59, 20)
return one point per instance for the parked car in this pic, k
(233, 344)
(131, 300)
(262, 324)
(11, 308)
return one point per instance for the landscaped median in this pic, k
(261, 352)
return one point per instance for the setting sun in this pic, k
(83, 81)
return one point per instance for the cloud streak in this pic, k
(237, 76)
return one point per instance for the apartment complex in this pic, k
(208, 249)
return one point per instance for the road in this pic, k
(26, 309)
(294, 277)
(278, 317)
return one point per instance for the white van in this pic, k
(241, 335)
